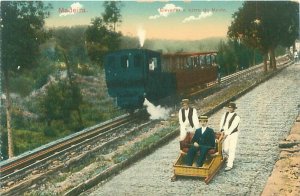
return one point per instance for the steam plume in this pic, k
(142, 35)
(156, 112)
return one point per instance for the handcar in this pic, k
(213, 163)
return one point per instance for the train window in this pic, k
(213, 59)
(152, 63)
(138, 60)
(202, 60)
(208, 60)
(198, 61)
(124, 62)
(189, 62)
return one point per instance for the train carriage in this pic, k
(192, 68)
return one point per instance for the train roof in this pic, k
(143, 50)
(133, 50)
(188, 54)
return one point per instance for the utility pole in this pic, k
(1, 107)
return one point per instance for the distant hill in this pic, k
(76, 34)
(171, 46)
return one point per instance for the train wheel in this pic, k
(130, 111)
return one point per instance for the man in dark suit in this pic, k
(203, 140)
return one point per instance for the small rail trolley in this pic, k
(213, 163)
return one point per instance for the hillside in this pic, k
(30, 130)
(170, 46)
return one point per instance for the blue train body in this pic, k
(135, 74)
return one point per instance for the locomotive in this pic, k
(135, 74)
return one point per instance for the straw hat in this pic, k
(204, 118)
(187, 101)
(232, 105)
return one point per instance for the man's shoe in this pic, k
(228, 168)
(199, 165)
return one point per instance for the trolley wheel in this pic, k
(173, 179)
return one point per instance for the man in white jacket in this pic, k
(188, 119)
(229, 127)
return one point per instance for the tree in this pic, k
(60, 101)
(112, 15)
(69, 43)
(97, 40)
(22, 33)
(226, 58)
(72, 40)
(100, 40)
(265, 25)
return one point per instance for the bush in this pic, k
(25, 140)
(22, 85)
(3, 146)
(50, 132)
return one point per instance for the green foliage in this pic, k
(50, 131)
(60, 101)
(101, 36)
(22, 84)
(22, 32)
(226, 58)
(233, 56)
(70, 40)
(280, 50)
(41, 74)
(22, 27)
(112, 14)
(25, 81)
(266, 24)
(28, 140)
(100, 40)
(4, 145)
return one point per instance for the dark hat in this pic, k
(232, 105)
(203, 118)
(185, 101)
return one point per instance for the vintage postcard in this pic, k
(149, 97)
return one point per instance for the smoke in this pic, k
(156, 112)
(142, 35)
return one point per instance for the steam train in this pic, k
(135, 74)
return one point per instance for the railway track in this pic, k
(31, 159)
(35, 166)
(18, 167)
(227, 80)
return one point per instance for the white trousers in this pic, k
(184, 130)
(229, 147)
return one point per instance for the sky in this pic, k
(173, 20)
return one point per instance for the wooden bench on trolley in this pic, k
(214, 161)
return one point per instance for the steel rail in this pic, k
(67, 149)
(247, 71)
(79, 151)
(9, 166)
